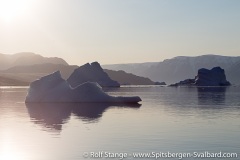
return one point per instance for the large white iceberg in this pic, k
(53, 88)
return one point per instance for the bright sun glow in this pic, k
(8, 150)
(12, 9)
(8, 154)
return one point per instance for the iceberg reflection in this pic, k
(211, 95)
(53, 115)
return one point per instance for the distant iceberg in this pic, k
(53, 88)
(205, 77)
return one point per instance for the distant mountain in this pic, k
(233, 73)
(128, 78)
(182, 67)
(27, 74)
(27, 67)
(26, 58)
(4, 81)
(42, 69)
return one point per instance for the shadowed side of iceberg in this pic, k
(53, 88)
(93, 73)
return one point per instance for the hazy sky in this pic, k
(120, 31)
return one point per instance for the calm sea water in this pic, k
(172, 120)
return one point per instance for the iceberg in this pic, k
(214, 77)
(53, 88)
(93, 73)
(205, 77)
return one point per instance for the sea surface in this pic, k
(168, 120)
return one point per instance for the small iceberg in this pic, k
(53, 88)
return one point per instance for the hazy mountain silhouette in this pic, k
(42, 69)
(169, 71)
(30, 73)
(182, 67)
(233, 73)
(128, 78)
(26, 58)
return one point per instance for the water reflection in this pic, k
(92, 112)
(53, 115)
(201, 101)
(211, 95)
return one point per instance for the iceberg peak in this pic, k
(93, 73)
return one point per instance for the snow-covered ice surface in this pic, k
(53, 88)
